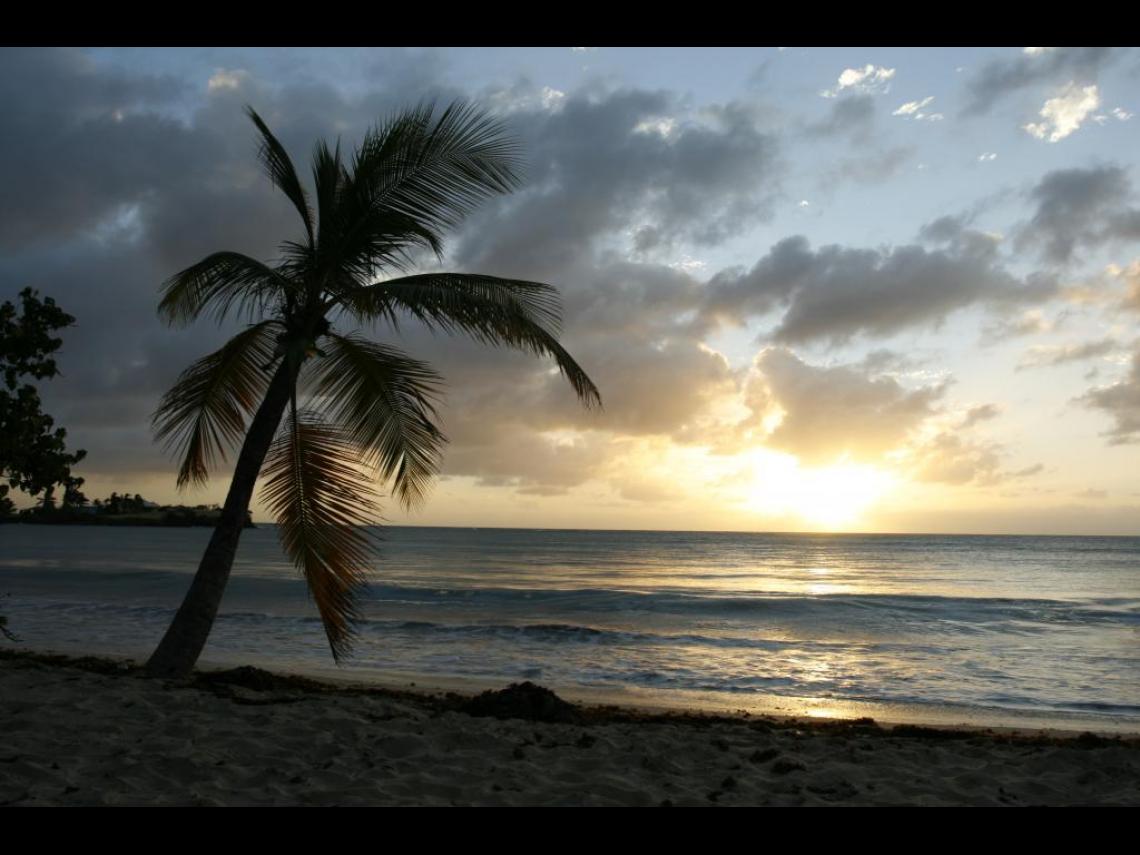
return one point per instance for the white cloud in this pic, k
(987, 156)
(223, 79)
(1036, 51)
(869, 78)
(525, 97)
(910, 108)
(1121, 114)
(1064, 114)
(688, 264)
(661, 126)
(914, 110)
(551, 98)
(804, 203)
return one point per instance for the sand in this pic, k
(95, 732)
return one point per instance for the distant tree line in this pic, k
(121, 509)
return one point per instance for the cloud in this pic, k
(552, 465)
(1120, 400)
(917, 110)
(835, 293)
(987, 156)
(1080, 208)
(1001, 77)
(1029, 322)
(853, 116)
(869, 78)
(1130, 276)
(227, 79)
(117, 195)
(120, 196)
(831, 412)
(980, 413)
(869, 168)
(1064, 114)
(950, 457)
(1092, 493)
(75, 147)
(1046, 355)
(623, 322)
(597, 165)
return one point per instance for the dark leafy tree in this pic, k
(369, 412)
(33, 452)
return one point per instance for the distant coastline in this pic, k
(124, 510)
(163, 518)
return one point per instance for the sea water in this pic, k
(1043, 625)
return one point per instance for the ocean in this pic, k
(1001, 630)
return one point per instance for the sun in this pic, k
(827, 498)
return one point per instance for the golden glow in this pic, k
(831, 497)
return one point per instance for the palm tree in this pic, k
(412, 178)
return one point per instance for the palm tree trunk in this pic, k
(184, 640)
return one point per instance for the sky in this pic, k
(838, 289)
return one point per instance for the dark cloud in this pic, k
(835, 293)
(1120, 400)
(78, 143)
(111, 195)
(872, 167)
(1001, 77)
(851, 117)
(115, 196)
(980, 413)
(955, 233)
(528, 462)
(882, 361)
(829, 412)
(946, 229)
(1080, 209)
(604, 163)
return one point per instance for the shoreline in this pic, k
(93, 731)
(597, 706)
(639, 701)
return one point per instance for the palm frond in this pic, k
(322, 504)
(507, 312)
(280, 169)
(365, 238)
(360, 233)
(436, 172)
(328, 178)
(218, 283)
(384, 400)
(204, 413)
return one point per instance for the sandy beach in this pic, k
(94, 732)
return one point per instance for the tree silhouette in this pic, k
(33, 456)
(370, 406)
